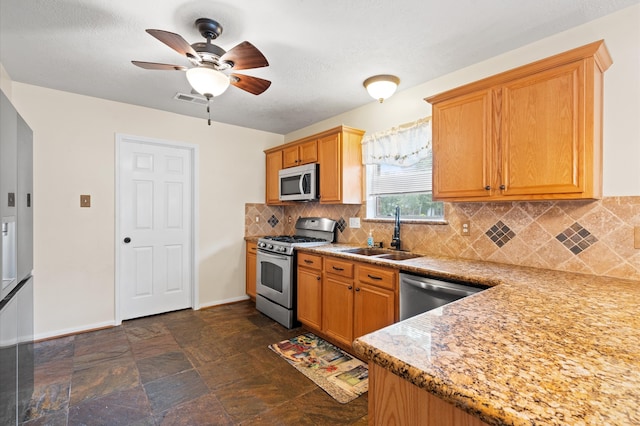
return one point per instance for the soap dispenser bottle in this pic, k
(370, 239)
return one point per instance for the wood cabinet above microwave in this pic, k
(534, 132)
(338, 151)
(300, 153)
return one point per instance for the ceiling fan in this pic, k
(207, 76)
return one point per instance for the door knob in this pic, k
(127, 240)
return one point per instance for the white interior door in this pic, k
(155, 203)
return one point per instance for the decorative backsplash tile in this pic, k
(576, 238)
(530, 240)
(341, 224)
(500, 233)
(273, 221)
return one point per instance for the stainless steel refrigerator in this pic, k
(16, 296)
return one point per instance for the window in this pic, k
(398, 173)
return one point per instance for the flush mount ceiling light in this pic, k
(207, 81)
(381, 87)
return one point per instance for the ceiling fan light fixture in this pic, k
(381, 87)
(207, 81)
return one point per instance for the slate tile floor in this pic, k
(207, 367)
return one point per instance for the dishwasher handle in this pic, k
(441, 286)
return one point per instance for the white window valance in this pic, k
(404, 145)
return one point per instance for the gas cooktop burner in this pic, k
(295, 239)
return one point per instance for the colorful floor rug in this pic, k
(335, 371)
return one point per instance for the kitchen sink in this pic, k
(399, 255)
(366, 251)
(382, 253)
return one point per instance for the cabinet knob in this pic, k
(488, 187)
(350, 287)
(502, 187)
(358, 289)
(318, 278)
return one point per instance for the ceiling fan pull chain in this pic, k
(209, 109)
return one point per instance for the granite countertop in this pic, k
(539, 347)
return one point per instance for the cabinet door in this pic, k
(290, 157)
(310, 297)
(308, 152)
(337, 313)
(543, 150)
(330, 169)
(273, 166)
(251, 270)
(374, 308)
(462, 147)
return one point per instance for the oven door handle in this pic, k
(272, 256)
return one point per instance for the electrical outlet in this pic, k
(465, 229)
(257, 219)
(289, 219)
(85, 201)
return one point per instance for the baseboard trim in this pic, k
(223, 302)
(71, 331)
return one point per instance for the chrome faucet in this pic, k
(395, 241)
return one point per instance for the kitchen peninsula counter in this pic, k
(540, 347)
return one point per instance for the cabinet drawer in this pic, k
(311, 261)
(338, 267)
(380, 277)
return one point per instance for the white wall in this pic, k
(74, 153)
(621, 32)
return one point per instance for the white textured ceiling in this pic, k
(319, 52)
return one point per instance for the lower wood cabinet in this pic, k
(337, 300)
(310, 290)
(345, 299)
(375, 299)
(393, 400)
(251, 269)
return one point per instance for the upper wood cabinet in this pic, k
(340, 158)
(301, 153)
(534, 132)
(338, 151)
(273, 166)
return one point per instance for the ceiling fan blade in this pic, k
(176, 42)
(250, 84)
(245, 56)
(155, 66)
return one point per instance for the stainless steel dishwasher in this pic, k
(420, 294)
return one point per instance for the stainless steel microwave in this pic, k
(299, 183)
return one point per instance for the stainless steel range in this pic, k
(276, 267)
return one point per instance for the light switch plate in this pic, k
(354, 222)
(85, 201)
